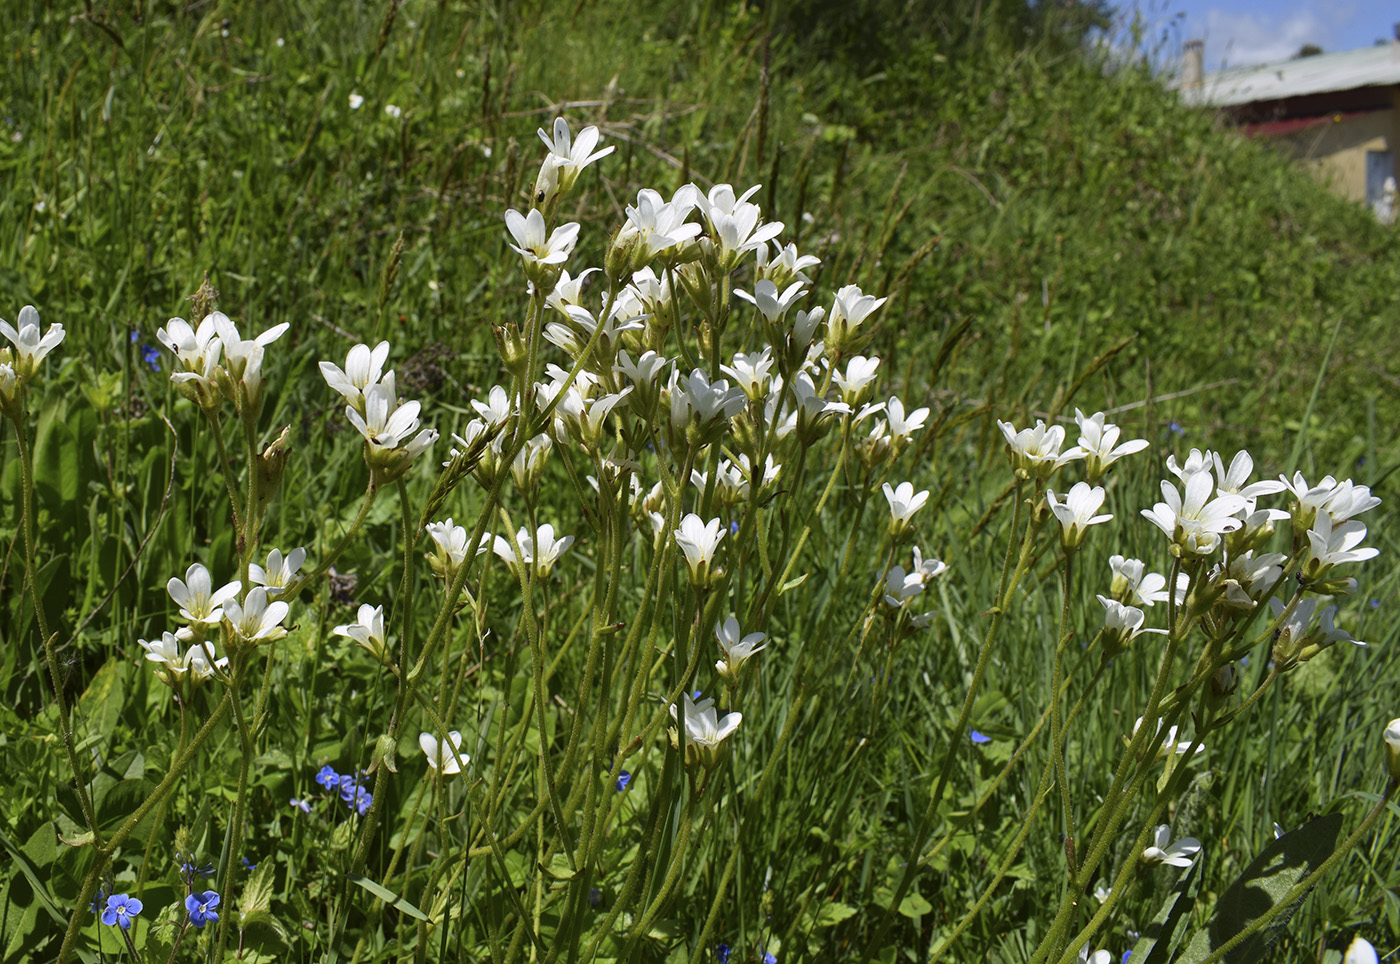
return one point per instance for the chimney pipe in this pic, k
(1193, 63)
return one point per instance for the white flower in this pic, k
(1173, 855)
(166, 652)
(750, 372)
(1195, 523)
(443, 755)
(860, 373)
(656, 225)
(387, 424)
(368, 631)
(451, 542)
(904, 502)
(1101, 893)
(280, 571)
(194, 595)
(704, 728)
(644, 372)
(1036, 451)
(197, 350)
(733, 221)
(541, 551)
(1169, 743)
(1235, 479)
(1196, 461)
(737, 647)
(699, 540)
(256, 618)
(770, 303)
(1360, 951)
(901, 425)
(1336, 546)
(530, 461)
(849, 310)
(243, 357)
(197, 659)
(1134, 585)
(900, 587)
(929, 568)
(1098, 957)
(1350, 500)
(530, 241)
(1294, 636)
(30, 348)
(571, 155)
(363, 368)
(707, 401)
(356, 101)
(785, 263)
(497, 409)
(1077, 512)
(1097, 440)
(1249, 576)
(393, 110)
(1121, 625)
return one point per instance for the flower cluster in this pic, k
(350, 787)
(390, 427)
(216, 362)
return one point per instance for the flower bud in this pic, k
(617, 263)
(270, 465)
(1392, 749)
(511, 347)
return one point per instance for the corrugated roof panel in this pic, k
(1323, 73)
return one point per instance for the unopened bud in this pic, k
(270, 466)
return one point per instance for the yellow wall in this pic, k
(1336, 152)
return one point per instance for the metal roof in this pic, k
(1319, 74)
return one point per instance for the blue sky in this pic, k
(1241, 32)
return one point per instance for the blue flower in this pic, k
(354, 795)
(303, 805)
(327, 777)
(120, 910)
(623, 779)
(1175, 428)
(734, 527)
(1375, 604)
(151, 356)
(201, 907)
(980, 737)
(769, 958)
(98, 900)
(722, 953)
(249, 865)
(1127, 954)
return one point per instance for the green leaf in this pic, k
(914, 905)
(1264, 883)
(833, 913)
(1155, 946)
(389, 897)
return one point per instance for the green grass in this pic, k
(1025, 208)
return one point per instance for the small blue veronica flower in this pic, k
(734, 527)
(201, 907)
(99, 900)
(303, 805)
(722, 953)
(354, 795)
(120, 910)
(1175, 428)
(327, 777)
(623, 779)
(249, 865)
(769, 958)
(151, 356)
(1375, 604)
(980, 737)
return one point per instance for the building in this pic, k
(1338, 113)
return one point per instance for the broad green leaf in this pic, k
(1264, 883)
(1156, 944)
(914, 905)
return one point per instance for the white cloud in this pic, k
(1238, 39)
